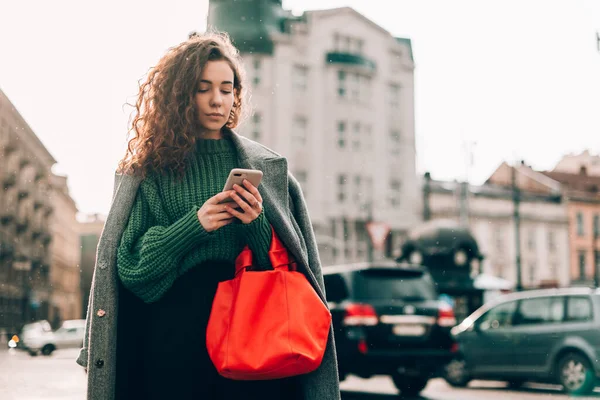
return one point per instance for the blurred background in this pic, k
(460, 128)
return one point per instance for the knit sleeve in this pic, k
(257, 235)
(151, 247)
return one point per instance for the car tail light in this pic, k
(454, 348)
(446, 316)
(360, 315)
(362, 346)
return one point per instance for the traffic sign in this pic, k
(378, 231)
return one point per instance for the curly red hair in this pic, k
(165, 122)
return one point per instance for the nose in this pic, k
(217, 98)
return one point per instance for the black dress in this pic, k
(161, 346)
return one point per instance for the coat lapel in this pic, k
(273, 189)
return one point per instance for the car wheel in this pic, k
(575, 374)
(456, 373)
(408, 385)
(515, 383)
(47, 349)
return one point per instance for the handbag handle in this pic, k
(278, 255)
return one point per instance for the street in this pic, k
(58, 378)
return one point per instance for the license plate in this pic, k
(408, 330)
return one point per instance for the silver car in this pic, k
(38, 337)
(550, 335)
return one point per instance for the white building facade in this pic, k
(334, 93)
(544, 230)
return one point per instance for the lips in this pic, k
(216, 115)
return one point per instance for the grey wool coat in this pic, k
(284, 204)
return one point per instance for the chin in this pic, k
(212, 126)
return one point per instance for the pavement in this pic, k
(58, 377)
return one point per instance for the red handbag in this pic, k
(267, 324)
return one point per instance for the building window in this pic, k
(347, 44)
(395, 139)
(347, 247)
(554, 270)
(551, 242)
(531, 240)
(342, 82)
(368, 140)
(300, 78)
(532, 273)
(395, 187)
(358, 46)
(369, 191)
(596, 226)
(302, 177)
(365, 89)
(499, 239)
(357, 188)
(581, 257)
(341, 188)
(341, 128)
(256, 126)
(394, 96)
(299, 131)
(356, 138)
(256, 67)
(580, 228)
(355, 87)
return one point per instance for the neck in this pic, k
(211, 134)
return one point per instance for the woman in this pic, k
(167, 241)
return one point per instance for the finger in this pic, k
(248, 185)
(218, 208)
(221, 216)
(225, 222)
(237, 214)
(246, 195)
(219, 197)
(245, 206)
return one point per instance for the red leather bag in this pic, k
(267, 324)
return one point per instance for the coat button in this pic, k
(101, 313)
(100, 363)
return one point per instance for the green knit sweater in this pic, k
(164, 238)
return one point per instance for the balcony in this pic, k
(350, 59)
(9, 181)
(48, 211)
(6, 218)
(24, 192)
(23, 162)
(7, 251)
(22, 225)
(46, 238)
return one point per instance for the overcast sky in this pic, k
(521, 79)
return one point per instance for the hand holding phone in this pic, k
(237, 176)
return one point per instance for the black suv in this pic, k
(388, 321)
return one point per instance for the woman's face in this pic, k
(214, 98)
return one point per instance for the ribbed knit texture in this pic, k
(164, 238)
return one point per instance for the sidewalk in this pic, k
(57, 377)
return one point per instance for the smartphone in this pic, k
(237, 176)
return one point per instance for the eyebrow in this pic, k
(210, 82)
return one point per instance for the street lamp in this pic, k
(516, 197)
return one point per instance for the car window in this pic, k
(500, 316)
(335, 288)
(390, 284)
(579, 309)
(541, 310)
